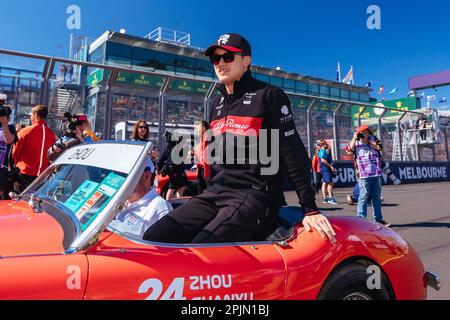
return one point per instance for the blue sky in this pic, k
(307, 37)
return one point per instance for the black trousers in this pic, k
(423, 134)
(236, 216)
(201, 181)
(4, 183)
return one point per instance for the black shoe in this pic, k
(384, 223)
(349, 200)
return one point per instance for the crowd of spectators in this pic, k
(26, 151)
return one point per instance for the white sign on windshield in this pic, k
(111, 156)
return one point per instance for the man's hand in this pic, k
(322, 225)
(56, 149)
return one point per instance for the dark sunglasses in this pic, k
(143, 127)
(227, 57)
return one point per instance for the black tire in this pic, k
(349, 282)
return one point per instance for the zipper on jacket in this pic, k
(226, 101)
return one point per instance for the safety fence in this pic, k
(111, 94)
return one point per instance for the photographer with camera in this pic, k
(30, 151)
(8, 136)
(177, 176)
(367, 149)
(71, 135)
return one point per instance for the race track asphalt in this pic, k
(420, 213)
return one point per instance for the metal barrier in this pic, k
(325, 118)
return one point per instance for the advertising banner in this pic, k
(397, 173)
(394, 173)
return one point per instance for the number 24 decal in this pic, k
(174, 292)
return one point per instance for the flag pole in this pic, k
(353, 76)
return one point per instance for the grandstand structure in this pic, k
(186, 99)
(120, 78)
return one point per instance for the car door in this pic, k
(122, 269)
(43, 277)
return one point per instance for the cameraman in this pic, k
(72, 135)
(8, 136)
(29, 153)
(177, 176)
(367, 149)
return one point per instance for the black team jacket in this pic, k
(257, 105)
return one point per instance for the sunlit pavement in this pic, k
(418, 212)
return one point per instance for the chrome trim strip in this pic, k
(189, 245)
(33, 255)
(65, 210)
(88, 237)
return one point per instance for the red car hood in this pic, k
(24, 232)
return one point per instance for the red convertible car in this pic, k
(56, 242)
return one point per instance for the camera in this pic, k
(172, 139)
(360, 135)
(71, 122)
(5, 111)
(168, 136)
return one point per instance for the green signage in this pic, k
(122, 77)
(127, 78)
(319, 105)
(95, 77)
(405, 104)
(297, 102)
(189, 86)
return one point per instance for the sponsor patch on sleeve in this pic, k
(289, 133)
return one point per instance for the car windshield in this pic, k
(81, 189)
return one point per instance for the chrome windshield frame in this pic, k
(85, 238)
(89, 236)
(64, 210)
(27, 194)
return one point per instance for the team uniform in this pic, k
(240, 202)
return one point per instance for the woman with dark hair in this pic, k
(141, 131)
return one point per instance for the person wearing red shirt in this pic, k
(30, 152)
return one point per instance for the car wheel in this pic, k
(350, 282)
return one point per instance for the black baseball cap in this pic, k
(232, 42)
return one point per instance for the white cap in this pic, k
(3, 96)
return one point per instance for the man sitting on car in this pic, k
(144, 207)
